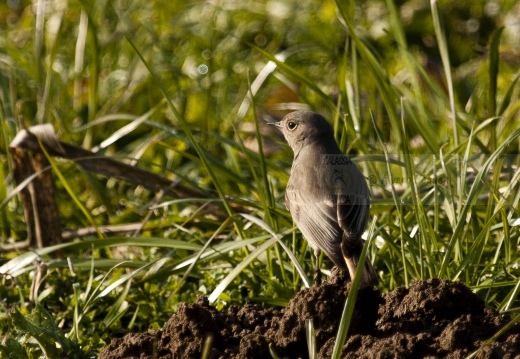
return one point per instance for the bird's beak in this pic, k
(277, 124)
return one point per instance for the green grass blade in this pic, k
(216, 251)
(509, 93)
(348, 310)
(494, 56)
(68, 188)
(426, 131)
(443, 49)
(379, 74)
(513, 295)
(428, 237)
(123, 279)
(119, 307)
(202, 251)
(291, 255)
(397, 201)
(41, 326)
(21, 186)
(496, 336)
(206, 350)
(239, 268)
(298, 76)
(493, 78)
(272, 351)
(102, 264)
(188, 133)
(21, 261)
(125, 130)
(265, 185)
(473, 254)
(310, 334)
(253, 255)
(470, 200)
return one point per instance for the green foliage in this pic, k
(424, 96)
(350, 303)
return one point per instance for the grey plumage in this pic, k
(327, 195)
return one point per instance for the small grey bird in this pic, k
(327, 195)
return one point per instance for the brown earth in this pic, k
(431, 319)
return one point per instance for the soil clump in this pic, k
(430, 319)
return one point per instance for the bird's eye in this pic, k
(291, 125)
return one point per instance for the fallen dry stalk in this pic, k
(40, 209)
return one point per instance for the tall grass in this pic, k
(172, 88)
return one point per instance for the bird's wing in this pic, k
(316, 219)
(353, 207)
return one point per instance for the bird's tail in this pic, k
(369, 276)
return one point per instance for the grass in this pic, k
(171, 88)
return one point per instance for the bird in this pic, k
(327, 195)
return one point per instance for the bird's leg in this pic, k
(317, 278)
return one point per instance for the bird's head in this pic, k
(303, 127)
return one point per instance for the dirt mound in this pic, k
(431, 319)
